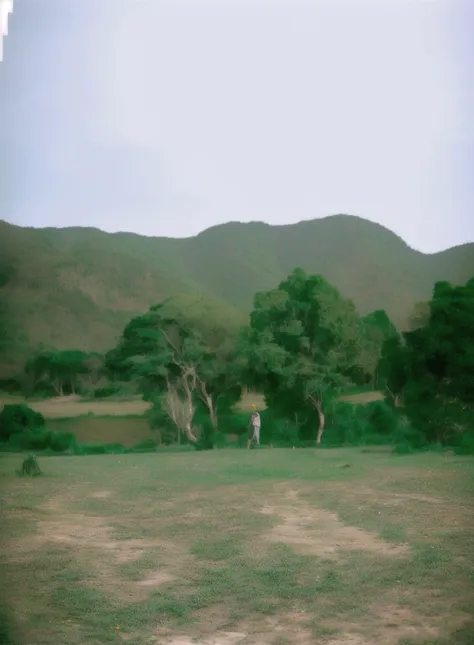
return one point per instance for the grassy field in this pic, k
(230, 547)
(122, 420)
(128, 431)
(73, 406)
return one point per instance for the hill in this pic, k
(76, 287)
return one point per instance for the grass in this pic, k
(90, 429)
(73, 406)
(236, 546)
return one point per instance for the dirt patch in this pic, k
(363, 397)
(389, 624)
(350, 639)
(315, 531)
(157, 579)
(101, 494)
(225, 638)
(91, 541)
(401, 497)
(87, 532)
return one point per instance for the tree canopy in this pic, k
(430, 370)
(178, 367)
(303, 340)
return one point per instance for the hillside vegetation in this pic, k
(77, 287)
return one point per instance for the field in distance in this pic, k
(228, 547)
(74, 406)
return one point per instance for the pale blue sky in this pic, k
(165, 117)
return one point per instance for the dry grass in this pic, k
(126, 431)
(238, 547)
(363, 397)
(74, 406)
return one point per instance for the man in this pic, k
(254, 434)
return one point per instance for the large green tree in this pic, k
(180, 368)
(303, 340)
(62, 369)
(376, 329)
(430, 370)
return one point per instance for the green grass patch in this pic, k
(178, 541)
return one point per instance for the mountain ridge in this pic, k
(78, 286)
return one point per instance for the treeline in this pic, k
(305, 345)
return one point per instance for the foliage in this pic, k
(110, 389)
(430, 370)
(25, 429)
(16, 419)
(180, 369)
(277, 431)
(375, 423)
(30, 467)
(303, 340)
(376, 330)
(368, 263)
(60, 370)
(42, 439)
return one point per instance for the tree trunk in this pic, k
(159, 441)
(322, 421)
(189, 433)
(207, 398)
(58, 387)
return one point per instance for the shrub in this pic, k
(30, 467)
(465, 443)
(207, 434)
(107, 390)
(43, 439)
(61, 441)
(150, 445)
(233, 422)
(32, 440)
(374, 423)
(16, 418)
(382, 418)
(278, 431)
(99, 449)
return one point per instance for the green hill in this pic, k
(76, 287)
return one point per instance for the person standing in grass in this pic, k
(254, 434)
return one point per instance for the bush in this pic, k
(99, 449)
(30, 467)
(43, 439)
(16, 418)
(62, 441)
(32, 440)
(374, 423)
(107, 390)
(207, 434)
(278, 431)
(233, 422)
(150, 445)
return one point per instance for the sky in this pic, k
(166, 117)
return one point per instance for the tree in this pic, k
(303, 339)
(433, 366)
(60, 368)
(94, 368)
(392, 369)
(419, 316)
(376, 329)
(177, 368)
